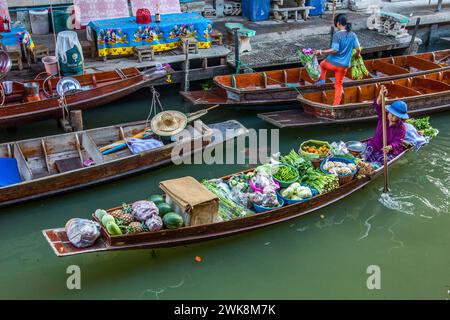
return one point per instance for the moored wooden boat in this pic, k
(96, 89)
(55, 164)
(61, 246)
(424, 95)
(281, 86)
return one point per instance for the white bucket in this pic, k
(39, 22)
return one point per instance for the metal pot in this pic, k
(31, 89)
(5, 63)
(7, 87)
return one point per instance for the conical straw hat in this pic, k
(168, 123)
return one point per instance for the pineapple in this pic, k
(134, 227)
(122, 217)
(126, 208)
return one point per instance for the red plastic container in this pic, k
(143, 16)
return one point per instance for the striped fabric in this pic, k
(140, 145)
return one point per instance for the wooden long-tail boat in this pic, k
(283, 86)
(97, 89)
(55, 164)
(61, 246)
(423, 94)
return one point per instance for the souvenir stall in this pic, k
(120, 36)
(17, 36)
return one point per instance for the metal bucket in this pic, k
(7, 87)
(31, 89)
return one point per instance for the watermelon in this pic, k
(173, 220)
(156, 199)
(163, 208)
(107, 218)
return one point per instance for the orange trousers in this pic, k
(339, 74)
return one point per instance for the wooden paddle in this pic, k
(383, 117)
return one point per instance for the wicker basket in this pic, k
(345, 179)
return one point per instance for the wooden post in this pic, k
(76, 120)
(439, 6)
(413, 37)
(331, 36)
(383, 118)
(186, 65)
(237, 59)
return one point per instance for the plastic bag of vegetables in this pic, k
(82, 233)
(309, 60)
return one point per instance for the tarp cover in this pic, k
(9, 172)
(66, 41)
(92, 10)
(4, 8)
(166, 6)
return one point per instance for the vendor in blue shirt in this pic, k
(339, 56)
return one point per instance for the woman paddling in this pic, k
(395, 127)
(339, 56)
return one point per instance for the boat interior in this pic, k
(44, 87)
(296, 77)
(402, 88)
(38, 158)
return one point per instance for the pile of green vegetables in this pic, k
(285, 173)
(320, 181)
(294, 159)
(424, 127)
(228, 209)
(359, 69)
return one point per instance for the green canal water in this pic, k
(323, 255)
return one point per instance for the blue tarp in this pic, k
(16, 37)
(9, 172)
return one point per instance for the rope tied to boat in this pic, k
(156, 103)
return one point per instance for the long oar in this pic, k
(383, 116)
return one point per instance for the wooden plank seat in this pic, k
(144, 53)
(39, 51)
(89, 48)
(15, 54)
(216, 38)
(244, 35)
(190, 45)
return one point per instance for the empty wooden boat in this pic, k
(281, 86)
(55, 164)
(61, 246)
(21, 106)
(423, 94)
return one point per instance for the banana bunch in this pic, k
(359, 69)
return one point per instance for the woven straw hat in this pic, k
(168, 123)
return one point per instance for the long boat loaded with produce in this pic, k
(291, 185)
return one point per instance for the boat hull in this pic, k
(24, 113)
(254, 89)
(187, 235)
